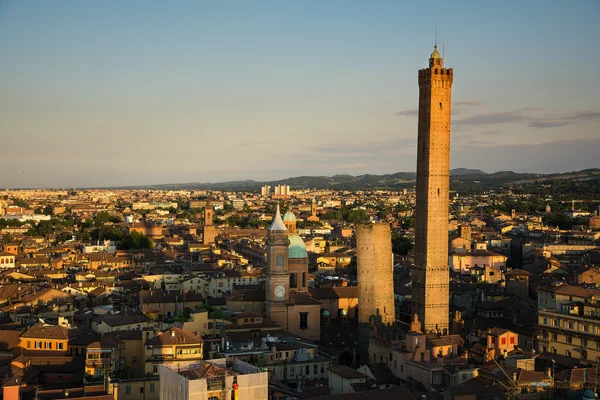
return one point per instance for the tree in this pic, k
(7, 238)
(400, 244)
(20, 203)
(84, 236)
(183, 316)
(136, 240)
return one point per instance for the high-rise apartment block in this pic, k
(265, 190)
(430, 275)
(282, 190)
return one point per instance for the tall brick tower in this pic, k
(375, 272)
(430, 276)
(374, 262)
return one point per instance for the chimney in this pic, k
(549, 372)
(173, 333)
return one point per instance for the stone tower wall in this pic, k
(431, 274)
(375, 272)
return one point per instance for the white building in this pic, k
(214, 379)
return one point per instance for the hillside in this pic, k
(461, 179)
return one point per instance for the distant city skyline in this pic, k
(135, 93)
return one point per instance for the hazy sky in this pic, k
(140, 92)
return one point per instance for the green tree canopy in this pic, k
(136, 240)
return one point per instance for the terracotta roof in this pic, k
(346, 292)
(570, 290)
(9, 339)
(175, 336)
(248, 295)
(301, 299)
(517, 272)
(206, 370)
(163, 296)
(121, 319)
(346, 372)
(435, 341)
(43, 331)
(247, 314)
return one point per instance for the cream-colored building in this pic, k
(568, 322)
(462, 262)
(215, 380)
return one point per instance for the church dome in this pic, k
(289, 217)
(297, 248)
(588, 394)
(435, 54)
(325, 313)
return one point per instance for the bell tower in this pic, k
(278, 276)
(430, 275)
(210, 231)
(208, 211)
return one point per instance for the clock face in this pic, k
(279, 291)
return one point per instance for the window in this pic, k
(279, 260)
(555, 336)
(292, 371)
(60, 346)
(569, 340)
(307, 370)
(303, 320)
(584, 342)
(512, 340)
(293, 281)
(38, 345)
(322, 368)
(127, 389)
(503, 341)
(29, 344)
(152, 388)
(555, 322)
(315, 369)
(155, 369)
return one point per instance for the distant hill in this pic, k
(466, 171)
(461, 179)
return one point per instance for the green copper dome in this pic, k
(435, 54)
(297, 248)
(289, 217)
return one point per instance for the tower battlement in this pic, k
(437, 77)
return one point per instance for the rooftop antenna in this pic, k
(435, 24)
(443, 54)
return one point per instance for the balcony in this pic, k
(155, 357)
(170, 357)
(98, 362)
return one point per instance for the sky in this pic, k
(110, 93)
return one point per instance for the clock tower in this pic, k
(278, 275)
